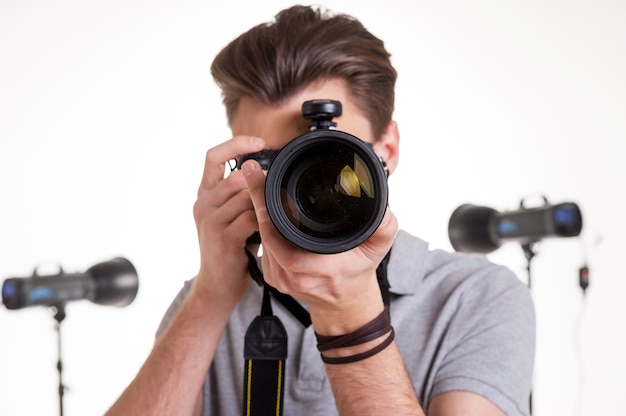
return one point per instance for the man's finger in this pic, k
(218, 156)
(256, 186)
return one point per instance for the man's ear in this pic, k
(388, 146)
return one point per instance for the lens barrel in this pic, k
(326, 191)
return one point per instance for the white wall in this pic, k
(107, 109)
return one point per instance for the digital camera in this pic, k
(326, 191)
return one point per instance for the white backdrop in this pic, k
(107, 109)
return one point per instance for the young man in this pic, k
(464, 327)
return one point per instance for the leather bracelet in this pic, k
(360, 356)
(372, 330)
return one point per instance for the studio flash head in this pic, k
(478, 229)
(111, 283)
(326, 191)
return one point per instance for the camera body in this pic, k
(326, 191)
(265, 158)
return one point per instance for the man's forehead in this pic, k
(282, 122)
(277, 124)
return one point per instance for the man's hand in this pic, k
(225, 218)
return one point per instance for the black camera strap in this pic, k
(265, 352)
(265, 344)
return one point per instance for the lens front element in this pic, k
(326, 191)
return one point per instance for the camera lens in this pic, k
(326, 191)
(322, 193)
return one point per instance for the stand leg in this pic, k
(529, 253)
(59, 316)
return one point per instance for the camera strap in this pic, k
(265, 352)
(265, 344)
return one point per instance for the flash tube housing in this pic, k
(481, 229)
(112, 283)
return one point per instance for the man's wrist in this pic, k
(357, 345)
(204, 294)
(349, 314)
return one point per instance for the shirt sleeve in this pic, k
(489, 345)
(174, 306)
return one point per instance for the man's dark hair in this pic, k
(273, 61)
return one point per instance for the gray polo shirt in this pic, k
(461, 323)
